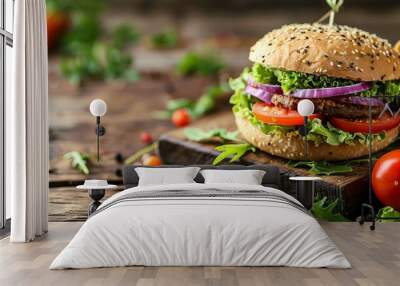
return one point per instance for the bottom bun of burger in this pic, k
(292, 147)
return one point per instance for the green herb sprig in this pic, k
(167, 39)
(235, 151)
(322, 167)
(85, 55)
(198, 108)
(388, 214)
(327, 212)
(335, 6)
(139, 154)
(79, 161)
(206, 64)
(199, 135)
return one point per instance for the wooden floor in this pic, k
(375, 257)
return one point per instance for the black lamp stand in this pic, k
(100, 131)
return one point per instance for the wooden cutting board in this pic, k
(350, 189)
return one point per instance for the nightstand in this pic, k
(305, 187)
(96, 190)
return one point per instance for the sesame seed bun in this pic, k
(292, 147)
(335, 51)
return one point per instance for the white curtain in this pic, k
(27, 123)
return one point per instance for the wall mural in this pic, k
(192, 87)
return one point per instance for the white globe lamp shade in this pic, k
(98, 107)
(305, 107)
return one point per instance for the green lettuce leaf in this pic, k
(242, 104)
(319, 132)
(290, 80)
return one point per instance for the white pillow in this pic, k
(248, 177)
(163, 176)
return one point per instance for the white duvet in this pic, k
(204, 231)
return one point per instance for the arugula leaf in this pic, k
(388, 214)
(196, 134)
(321, 211)
(206, 64)
(323, 167)
(165, 40)
(79, 161)
(234, 150)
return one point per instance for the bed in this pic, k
(201, 224)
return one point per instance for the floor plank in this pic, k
(375, 257)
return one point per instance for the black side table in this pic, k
(305, 187)
(96, 190)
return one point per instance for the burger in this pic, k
(350, 76)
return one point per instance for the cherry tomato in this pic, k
(271, 114)
(385, 123)
(57, 24)
(386, 179)
(146, 138)
(151, 160)
(181, 117)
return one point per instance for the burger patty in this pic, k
(329, 107)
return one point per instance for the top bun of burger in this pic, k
(334, 51)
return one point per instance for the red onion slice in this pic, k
(359, 100)
(260, 93)
(271, 88)
(330, 91)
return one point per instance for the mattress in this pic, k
(201, 225)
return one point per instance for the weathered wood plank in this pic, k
(71, 204)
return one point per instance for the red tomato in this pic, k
(385, 123)
(181, 117)
(277, 115)
(57, 24)
(151, 160)
(146, 138)
(386, 179)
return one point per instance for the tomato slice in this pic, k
(271, 114)
(385, 123)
